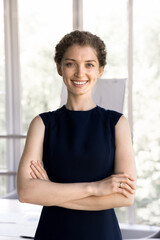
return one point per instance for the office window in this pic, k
(146, 112)
(110, 23)
(40, 30)
(2, 73)
(3, 162)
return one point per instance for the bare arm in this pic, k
(37, 191)
(124, 154)
(94, 203)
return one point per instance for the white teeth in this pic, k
(80, 83)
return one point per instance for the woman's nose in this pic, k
(79, 72)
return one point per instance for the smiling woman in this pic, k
(86, 163)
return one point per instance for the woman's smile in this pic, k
(79, 84)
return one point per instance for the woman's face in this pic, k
(80, 69)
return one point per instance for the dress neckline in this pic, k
(92, 109)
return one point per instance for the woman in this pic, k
(86, 151)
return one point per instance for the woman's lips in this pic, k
(79, 83)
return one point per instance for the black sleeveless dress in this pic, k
(79, 146)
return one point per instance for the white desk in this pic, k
(10, 238)
(18, 219)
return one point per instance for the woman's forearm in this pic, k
(94, 203)
(99, 195)
(49, 193)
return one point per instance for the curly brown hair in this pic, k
(82, 38)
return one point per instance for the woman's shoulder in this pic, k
(46, 116)
(50, 115)
(111, 115)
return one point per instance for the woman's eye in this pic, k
(69, 64)
(90, 65)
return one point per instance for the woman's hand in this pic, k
(117, 183)
(38, 171)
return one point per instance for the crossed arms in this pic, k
(34, 186)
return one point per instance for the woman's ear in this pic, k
(59, 69)
(101, 70)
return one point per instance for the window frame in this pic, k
(12, 85)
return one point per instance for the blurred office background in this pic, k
(29, 83)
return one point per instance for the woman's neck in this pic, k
(80, 105)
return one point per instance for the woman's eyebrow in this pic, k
(90, 61)
(70, 59)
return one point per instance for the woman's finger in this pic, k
(39, 171)
(43, 170)
(33, 175)
(126, 187)
(123, 175)
(36, 171)
(123, 192)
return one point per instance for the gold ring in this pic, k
(120, 184)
